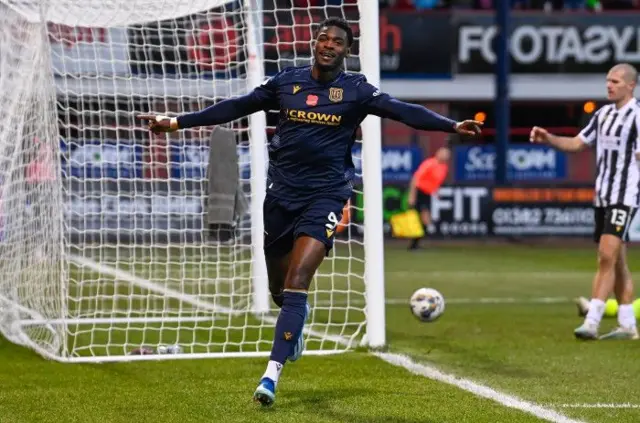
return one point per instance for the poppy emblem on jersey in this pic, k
(288, 336)
(335, 94)
(312, 100)
(296, 88)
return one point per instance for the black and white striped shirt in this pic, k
(615, 135)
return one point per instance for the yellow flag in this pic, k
(406, 225)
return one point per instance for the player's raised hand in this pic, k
(538, 135)
(159, 123)
(469, 127)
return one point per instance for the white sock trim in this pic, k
(273, 371)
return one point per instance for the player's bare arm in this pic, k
(540, 135)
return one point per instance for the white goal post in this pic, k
(109, 250)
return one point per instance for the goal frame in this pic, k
(374, 336)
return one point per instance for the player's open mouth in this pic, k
(327, 56)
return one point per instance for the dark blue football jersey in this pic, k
(310, 152)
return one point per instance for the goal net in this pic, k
(115, 242)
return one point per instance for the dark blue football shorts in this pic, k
(285, 221)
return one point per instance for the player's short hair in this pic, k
(629, 71)
(338, 23)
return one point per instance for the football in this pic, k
(427, 304)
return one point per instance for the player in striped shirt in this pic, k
(613, 131)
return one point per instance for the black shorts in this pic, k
(613, 220)
(423, 200)
(284, 222)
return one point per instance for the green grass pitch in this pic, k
(518, 344)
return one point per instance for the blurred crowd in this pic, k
(548, 5)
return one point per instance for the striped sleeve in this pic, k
(637, 132)
(589, 133)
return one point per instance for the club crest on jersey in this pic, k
(312, 100)
(296, 88)
(335, 94)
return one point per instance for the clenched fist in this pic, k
(539, 135)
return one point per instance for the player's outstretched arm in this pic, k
(261, 98)
(223, 112)
(585, 138)
(413, 115)
(540, 135)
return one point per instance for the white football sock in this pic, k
(596, 310)
(626, 316)
(273, 371)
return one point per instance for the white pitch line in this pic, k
(491, 274)
(476, 389)
(507, 400)
(598, 405)
(509, 300)
(480, 300)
